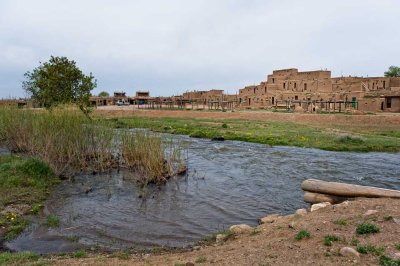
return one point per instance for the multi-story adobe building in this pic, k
(366, 94)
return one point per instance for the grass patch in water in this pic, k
(52, 221)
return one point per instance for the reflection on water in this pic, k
(229, 183)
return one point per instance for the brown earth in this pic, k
(388, 121)
(275, 243)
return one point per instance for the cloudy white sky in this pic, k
(170, 46)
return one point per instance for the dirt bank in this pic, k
(275, 243)
(390, 121)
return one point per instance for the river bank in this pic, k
(312, 238)
(334, 132)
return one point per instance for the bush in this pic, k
(329, 239)
(370, 249)
(302, 234)
(367, 228)
(201, 259)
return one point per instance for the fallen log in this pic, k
(347, 190)
(313, 198)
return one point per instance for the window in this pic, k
(273, 100)
(295, 85)
(284, 85)
(254, 90)
(273, 80)
(388, 102)
(384, 83)
(305, 86)
(296, 97)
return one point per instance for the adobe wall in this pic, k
(290, 84)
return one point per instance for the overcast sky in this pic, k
(171, 46)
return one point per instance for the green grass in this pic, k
(329, 239)
(80, 254)
(201, 259)
(370, 249)
(302, 234)
(341, 222)
(367, 228)
(23, 180)
(387, 261)
(270, 132)
(18, 258)
(52, 221)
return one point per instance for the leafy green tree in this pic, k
(104, 94)
(59, 81)
(393, 71)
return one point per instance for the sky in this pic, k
(171, 46)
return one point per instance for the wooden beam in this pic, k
(347, 190)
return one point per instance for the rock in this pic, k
(292, 225)
(318, 206)
(370, 212)
(196, 248)
(240, 229)
(344, 204)
(349, 252)
(396, 256)
(301, 212)
(269, 219)
(220, 238)
(396, 220)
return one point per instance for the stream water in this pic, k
(228, 183)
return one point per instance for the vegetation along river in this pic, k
(228, 182)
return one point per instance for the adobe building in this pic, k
(299, 89)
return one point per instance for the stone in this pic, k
(318, 206)
(349, 252)
(196, 248)
(370, 212)
(269, 219)
(240, 229)
(396, 220)
(292, 225)
(344, 204)
(301, 212)
(220, 238)
(396, 256)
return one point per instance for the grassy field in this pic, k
(272, 132)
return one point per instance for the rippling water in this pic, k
(228, 183)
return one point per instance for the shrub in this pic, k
(302, 234)
(386, 261)
(370, 249)
(201, 259)
(367, 228)
(329, 239)
(342, 222)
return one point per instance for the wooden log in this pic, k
(347, 190)
(313, 198)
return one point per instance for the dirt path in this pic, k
(275, 243)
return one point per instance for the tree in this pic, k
(59, 81)
(394, 71)
(104, 94)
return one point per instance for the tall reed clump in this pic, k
(152, 159)
(69, 142)
(66, 141)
